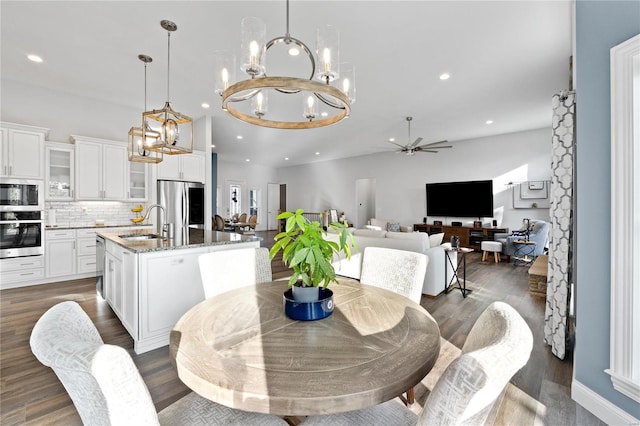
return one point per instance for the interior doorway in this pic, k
(365, 201)
(276, 203)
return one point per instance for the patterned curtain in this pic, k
(559, 277)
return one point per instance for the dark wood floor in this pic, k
(31, 394)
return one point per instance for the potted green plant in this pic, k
(308, 253)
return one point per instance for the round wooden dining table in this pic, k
(239, 349)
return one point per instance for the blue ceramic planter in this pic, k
(309, 311)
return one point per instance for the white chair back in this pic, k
(105, 384)
(397, 270)
(498, 345)
(102, 380)
(226, 270)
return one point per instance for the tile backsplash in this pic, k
(83, 213)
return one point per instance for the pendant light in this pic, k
(327, 86)
(139, 140)
(175, 128)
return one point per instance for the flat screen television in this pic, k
(460, 199)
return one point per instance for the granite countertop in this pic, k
(71, 226)
(187, 238)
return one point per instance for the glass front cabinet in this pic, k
(137, 181)
(59, 171)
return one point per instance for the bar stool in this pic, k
(491, 246)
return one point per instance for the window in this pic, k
(235, 199)
(254, 197)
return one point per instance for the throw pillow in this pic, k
(374, 228)
(393, 227)
(379, 222)
(436, 239)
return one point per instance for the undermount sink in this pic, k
(140, 237)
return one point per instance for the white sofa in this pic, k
(434, 280)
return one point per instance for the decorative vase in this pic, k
(320, 307)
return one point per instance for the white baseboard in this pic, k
(600, 407)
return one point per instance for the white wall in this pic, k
(401, 179)
(254, 177)
(65, 114)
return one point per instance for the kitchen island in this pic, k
(150, 281)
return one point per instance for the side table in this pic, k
(461, 262)
(524, 252)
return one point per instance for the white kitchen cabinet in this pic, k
(86, 251)
(113, 281)
(60, 252)
(170, 285)
(138, 178)
(129, 309)
(120, 285)
(186, 167)
(22, 151)
(17, 270)
(59, 171)
(101, 169)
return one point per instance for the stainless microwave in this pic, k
(21, 195)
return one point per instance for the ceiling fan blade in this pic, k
(433, 144)
(401, 146)
(426, 150)
(436, 147)
(416, 142)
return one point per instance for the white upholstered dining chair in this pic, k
(397, 270)
(226, 270)
(498, 345)
(104, 383)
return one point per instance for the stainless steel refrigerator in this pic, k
(183, 203)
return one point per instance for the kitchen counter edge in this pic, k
(197, 238)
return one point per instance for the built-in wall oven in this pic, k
(21, 234)
(21, 224)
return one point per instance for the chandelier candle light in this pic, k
(253, 63)
(175, 129)
(139, 140)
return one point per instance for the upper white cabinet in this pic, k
(137, 181)
(187, 167)
(22, 151)
(59, 171)
(101, 169)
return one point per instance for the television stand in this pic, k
(469, 236)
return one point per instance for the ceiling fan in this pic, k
(412, 147)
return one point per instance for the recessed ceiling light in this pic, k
(324, 113)
(294, 51)
(247, 160)
(205, 105)
(286, 158)
(34, 58)
(488, 122)
(213, 146)
(317, 153)
(239, 137)
(445, 76)
(392, 139)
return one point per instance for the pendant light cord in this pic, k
(145, 86)
(168, 62)
(287, 35)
